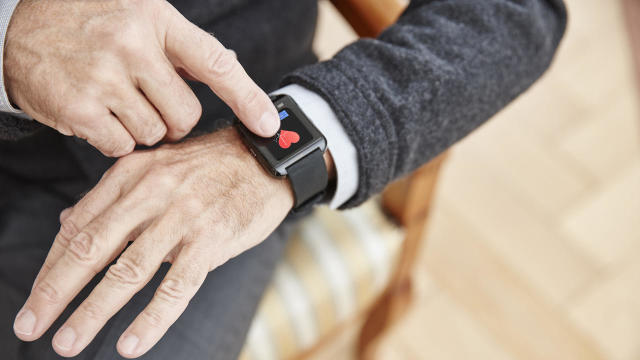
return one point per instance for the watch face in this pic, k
(291, 136)
(296, 138)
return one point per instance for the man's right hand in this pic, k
(108, 71)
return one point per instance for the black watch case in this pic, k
(294, 125)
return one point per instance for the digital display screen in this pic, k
(291, 136)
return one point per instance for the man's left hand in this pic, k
(195, 204)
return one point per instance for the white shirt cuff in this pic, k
(6, 10)
(344, 154)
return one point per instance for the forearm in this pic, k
(440, 72)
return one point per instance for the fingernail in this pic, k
(65, 338)
(269, 123)
(25, 322)
(129, 343)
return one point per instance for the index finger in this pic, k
(206, 59)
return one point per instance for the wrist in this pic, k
(279, 187)
(10, 12)
(282, 184)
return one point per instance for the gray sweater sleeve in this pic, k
(442, 70)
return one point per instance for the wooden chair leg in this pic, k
(409, 201)
(387, 310)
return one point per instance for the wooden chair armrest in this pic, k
(369, 17)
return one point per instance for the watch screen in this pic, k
(292, 136)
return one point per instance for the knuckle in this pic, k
(90, 309)
(163, 75)
(189, 118)
(107, 76)
(46, 267)
(116, 147)
(111, 147)
(77, 112)
(83, 248)
(163, 177)
(194, 206)
(125, 45)
(153, 133)
(221, 62)
(127, 271)
(125, 146)
(182, 128)
(194, 110)
(126, 39)
(152, 317)
(172, 291)
(47, 292)
(68, 230)
(141, 192)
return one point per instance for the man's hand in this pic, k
(195, 204)
(108, 71)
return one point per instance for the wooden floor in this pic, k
(534, 246)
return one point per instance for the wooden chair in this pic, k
(631, 10)
(407, 200)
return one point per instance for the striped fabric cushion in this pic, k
(335, 265)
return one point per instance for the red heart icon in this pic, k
(287, 138)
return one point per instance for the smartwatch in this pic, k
(295, 152)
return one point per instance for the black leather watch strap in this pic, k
(308, 177)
